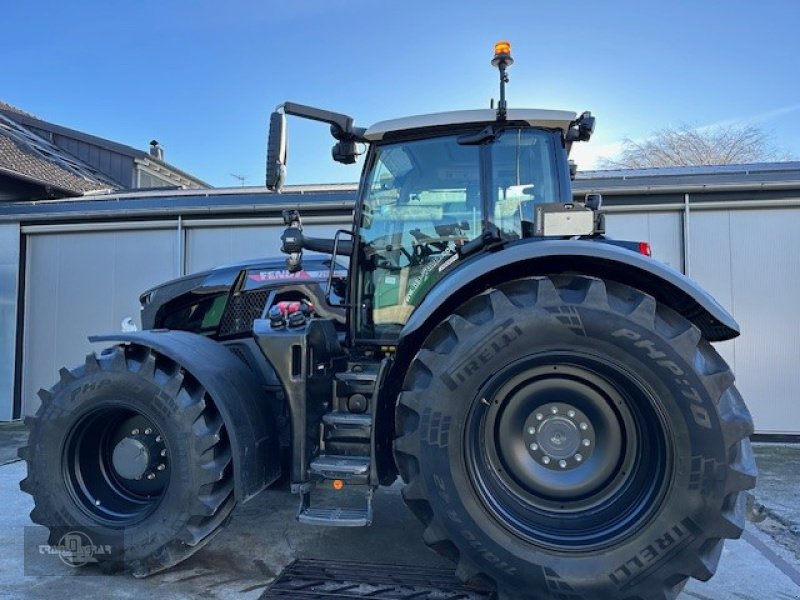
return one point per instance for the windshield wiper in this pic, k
(487, 134)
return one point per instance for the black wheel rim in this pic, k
(116, 465)
(568, 450)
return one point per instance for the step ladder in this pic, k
(347, 461)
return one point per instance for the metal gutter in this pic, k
(577, 189)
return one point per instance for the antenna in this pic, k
(241, 178)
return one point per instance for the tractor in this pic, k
(550, 397)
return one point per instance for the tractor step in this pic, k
(352, 469)
(347, 425)
(335, 516)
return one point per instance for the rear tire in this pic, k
(568, 437)
(129, 451)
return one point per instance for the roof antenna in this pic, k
(502, 60)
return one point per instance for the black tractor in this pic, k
(549, 397)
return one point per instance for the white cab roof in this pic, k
(537, 117)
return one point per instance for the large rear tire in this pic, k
(129, 452)
(568, 437)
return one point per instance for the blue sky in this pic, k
(202, 77)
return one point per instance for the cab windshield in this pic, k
(424, 198)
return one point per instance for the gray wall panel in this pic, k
(209, 247)
(745, 258)
(664, 231)
(9, 282)
(83, 283)
(765, 277)
(710, 260)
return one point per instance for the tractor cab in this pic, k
(437, 188)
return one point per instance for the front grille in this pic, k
(241, 311)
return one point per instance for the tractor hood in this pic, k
(176, 303)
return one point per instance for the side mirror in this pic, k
(276, 151)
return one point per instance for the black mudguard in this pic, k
(546, 257)
(236, 394)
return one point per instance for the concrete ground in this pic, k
(263, 537)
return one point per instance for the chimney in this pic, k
(156, 150)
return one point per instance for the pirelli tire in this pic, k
(129, 452)
(569, 437)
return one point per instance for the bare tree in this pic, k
(686, 145)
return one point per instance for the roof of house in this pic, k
(28, 120)
(25, 155)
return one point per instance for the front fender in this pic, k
(235, 392)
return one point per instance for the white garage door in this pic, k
(747, 259)
(208, 247)
(82, 283)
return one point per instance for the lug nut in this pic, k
(534, 447)
(164, 452)
(554, 410)
(570, 413)
(546, 460)
(158, 438)
(148, 431)
(539, 416)
(531, 430)
(134, 432)
(97, 502)
(584, 426)
(562, 463)
(151, 475)
(579, 457)
(161, 467)
(587, 443)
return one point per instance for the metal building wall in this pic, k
(211, 245)
(748, 260)
(9, 291)
(664, 231)
(82, 282)
(743, 257)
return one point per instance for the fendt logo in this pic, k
(496, 342)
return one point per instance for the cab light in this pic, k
(502, 48)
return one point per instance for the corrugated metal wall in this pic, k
(748, 260)
(84, 282)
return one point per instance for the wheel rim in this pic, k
(116, 465)
(568, 450)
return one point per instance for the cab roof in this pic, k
(537, 117)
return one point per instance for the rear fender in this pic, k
(525, 258)
(237, 395)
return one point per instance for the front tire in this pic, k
(129, 451)
(569, 437)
